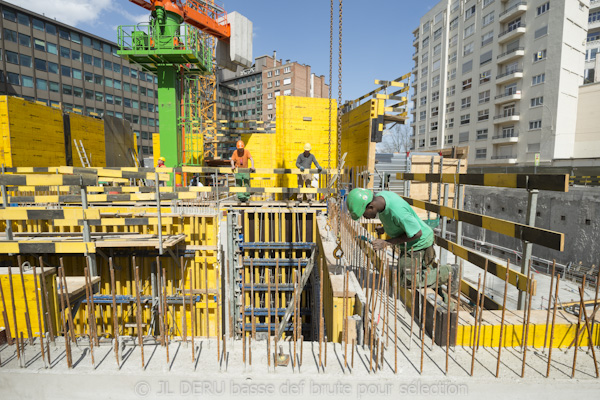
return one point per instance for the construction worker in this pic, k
(161, 162)
(304, 161)
(240, 159)
(400, 223)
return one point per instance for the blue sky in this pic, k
(377, 34)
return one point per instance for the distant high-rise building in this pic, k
(501, 77)
(251, 93)
(592, 61)
(54, 63)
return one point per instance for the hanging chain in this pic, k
(338, 252)
(330, 77)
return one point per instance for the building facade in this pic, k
(251, 93)
(592, 60)
(51, 62)
(501, 77)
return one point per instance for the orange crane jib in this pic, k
(197, 14)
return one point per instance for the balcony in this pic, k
(511, 34)
(415, 55)
(510, 55)
(509, 76)
(506, 118)
(594, 24)
(505, 159)
(416, 40)
(507, 97)
(506, 138)
(513, 12)
(594, 4)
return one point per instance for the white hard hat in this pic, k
(307, 147)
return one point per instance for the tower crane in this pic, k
(177, 46)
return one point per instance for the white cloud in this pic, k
(72, 12)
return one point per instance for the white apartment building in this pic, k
(501, 77)
(592, 60)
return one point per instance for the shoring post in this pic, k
(528, 246)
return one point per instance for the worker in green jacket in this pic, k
(399, 221)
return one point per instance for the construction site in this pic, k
(124, 281)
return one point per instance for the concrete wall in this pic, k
(576, 214)
(587, 134)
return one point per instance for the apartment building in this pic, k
(501, 77)
(54, 63)
(592, 60)
(251, 93)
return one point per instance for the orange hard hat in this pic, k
(239, 144)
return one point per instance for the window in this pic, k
(24, 40)
(287, 70)
(75, 55)
(51, 48)
(435, 112)
(269, 95)
(453, 41)
(52, 67)
(27, 81)
(463, 137)
(76, 73)
(67, 89)
(484, 97)
(126, 71)
(108, 82)
(425, 57)
(487, 38)
(449, 139)
(88, 77)
(452, 74)
(543, 8)
(97, 62)
(37, 24)
(26, 61)
(535, 125)
(421, 142)
(276, 72)
(109, 99)
(514, 24)
(12, 57)
(75, 38)
(469, 30)
(436, 65)
(451, 90)
(480, 153)
(468, 49)
(537, 101)
(450, 107)
(422, 115)
(87, 59)
(482, 134)
(421, 129)
(40, 64)
(13, 79)
(538, 79)
(118, 101)
(63, 34)
(438, 17)
(425, 42)
(450, 123)
(488, 19)
(65, 52)
(485, 76)
(287, 81)
(426, 27)
(423, 86)
(269, 85)
(465, 119)
(483, 115)
(77, 92)
(10, 35)
(467, 67)
(134, 73)
(465, 102)
(107, 65)
(433, 141)
(41, 84)
(424, 71)
(98, 79)
(533, 147)
(437, 49)
(423, 100)
(487, 3)
(454, 23)
(9, 14)
(454, 6)
(509, 110)
(117, 84)
(540, 55)
(50, 29)
(541, 32)
(469, 12)
(434, 126)
(466, 84)
(594, 17)
(117, 68)
(437, 34)
(65, 71)
(435, 96)
(452, 57)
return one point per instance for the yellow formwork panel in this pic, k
(20, 297)
(356, 134)
(90, 132)
(32, 134)
(155, 147)
(262, 147)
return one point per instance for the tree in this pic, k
(396, 139)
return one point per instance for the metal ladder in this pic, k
(85, 162)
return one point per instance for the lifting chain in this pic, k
(338, 253)
(330, 77)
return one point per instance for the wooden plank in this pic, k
(515, 278)
(551, 182)
(543, 237)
